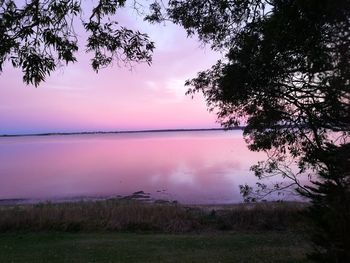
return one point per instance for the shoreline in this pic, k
(139, 196)
(131, 215)
(119, 132)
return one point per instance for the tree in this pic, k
(286, 75)
(39, 35)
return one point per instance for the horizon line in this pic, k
(118, 132)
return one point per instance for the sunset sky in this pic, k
(74, 98)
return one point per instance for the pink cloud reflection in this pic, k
(202, 167)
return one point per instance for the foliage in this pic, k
(39, 35)
(286, 73)
(286, 76)
(330, 212)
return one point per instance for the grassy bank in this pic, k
(130, 231)
(117, 215)
(130, 247)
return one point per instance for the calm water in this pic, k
(190, 167)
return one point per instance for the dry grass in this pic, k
(117, 215)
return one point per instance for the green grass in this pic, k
(51, 247)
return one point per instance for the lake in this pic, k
(199, 167)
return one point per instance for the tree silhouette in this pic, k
(286, 75)
(39, 35)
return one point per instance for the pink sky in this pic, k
(74, 98)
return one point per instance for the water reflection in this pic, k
(191, 167)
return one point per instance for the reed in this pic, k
(128, 215)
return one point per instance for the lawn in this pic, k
(50, 247)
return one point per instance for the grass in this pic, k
(112, 231)
(117, 215)
(52, 247)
